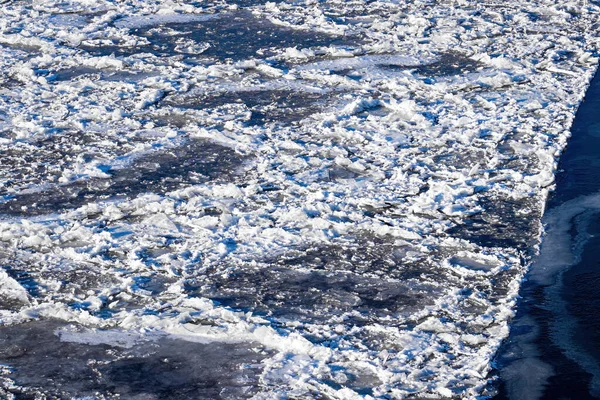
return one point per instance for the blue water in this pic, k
(554, 348)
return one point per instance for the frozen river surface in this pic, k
(300, 199)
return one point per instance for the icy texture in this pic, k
(72, 363)
(352, 187)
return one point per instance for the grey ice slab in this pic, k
(503, 223)
(232, 35)
(315, 296)
(194, 162)
(39, 161)
(449, 63)
(282, 106)
(112, 75)
(313, 285)
(43, 366)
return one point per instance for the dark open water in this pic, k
(554, 348)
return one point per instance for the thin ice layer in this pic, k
(354, 186)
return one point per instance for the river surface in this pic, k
(291, 199)
(553, 351)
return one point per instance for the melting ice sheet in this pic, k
(333, 199)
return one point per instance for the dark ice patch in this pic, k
(43, 365)
(29, 50)
(232, 35)
(40, 161)
(112, 75)
(283, 106)
(194, 162)
(341, 173)
(449, 64)
(313, 296)
(315, 285)
(503, 223)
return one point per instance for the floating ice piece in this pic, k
(11, 290)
